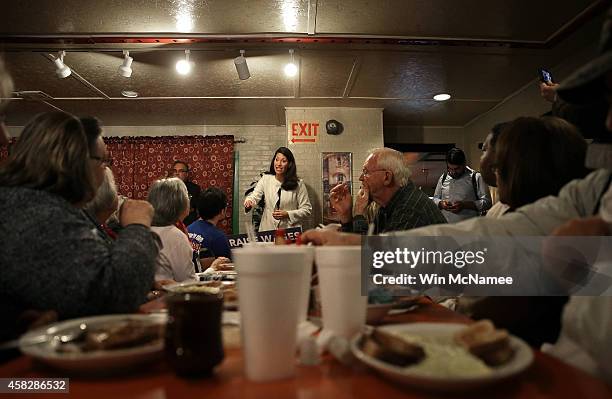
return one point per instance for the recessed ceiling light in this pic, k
(442, 97)
(129, 94)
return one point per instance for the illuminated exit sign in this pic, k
(303, 132)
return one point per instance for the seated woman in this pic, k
(528, 159)
(203, 233)
(51, 257)
(171, 202)
(535, 157)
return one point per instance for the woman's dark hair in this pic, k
(93, 129)
(455, 156)
(535, 157)
(211, 202)
(291, 178)
(51, 154)
(496, 131)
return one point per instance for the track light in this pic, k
(125, 69)
(291, 69)
(62, 70)
(241, 66)
(184, 66)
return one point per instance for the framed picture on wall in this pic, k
(337, 169)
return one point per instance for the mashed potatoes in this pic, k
(445, 358)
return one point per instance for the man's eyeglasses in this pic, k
(366, 172)
(177, 171)
(104, 161)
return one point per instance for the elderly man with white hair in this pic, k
(385, 180)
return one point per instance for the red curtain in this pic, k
(138, 161)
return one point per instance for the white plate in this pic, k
(104, 361)
(522, 358)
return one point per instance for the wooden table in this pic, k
(547, 378)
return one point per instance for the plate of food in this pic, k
(443, 356)
(99, 344)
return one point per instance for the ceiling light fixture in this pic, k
(125, 69)
(442, 97)
(241, 66)
(184, 66)
(62, 70)
(291, 69)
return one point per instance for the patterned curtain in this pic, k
(138, 161)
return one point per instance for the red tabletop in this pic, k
(546, 378)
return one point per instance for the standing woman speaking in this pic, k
(287, 203)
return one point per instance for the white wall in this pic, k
(363, 131)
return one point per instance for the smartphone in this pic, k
(545, 76)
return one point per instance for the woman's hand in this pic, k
(279, 214)
(249, 203)
(218, 264)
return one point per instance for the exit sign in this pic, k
(303, 132)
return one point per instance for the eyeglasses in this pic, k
(104, 161)
(365, 172)
(180, 171)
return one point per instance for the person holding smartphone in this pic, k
(589, 118)
(547, 86)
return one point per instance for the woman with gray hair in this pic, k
(171, 202)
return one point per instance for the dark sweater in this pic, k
(409, 208)
(52, 259)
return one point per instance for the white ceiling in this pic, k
(390, 54)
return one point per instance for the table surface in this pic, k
(546, 378)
